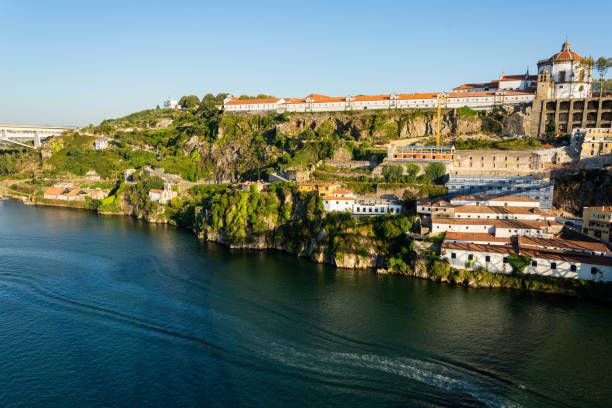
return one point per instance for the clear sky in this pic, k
(78, 62)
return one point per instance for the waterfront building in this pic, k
(488, 200)
(548, 257)
(163, 196)
(597, 222)
(64, 194)
(495, 226)
(539, 189)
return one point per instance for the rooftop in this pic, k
(555, 255)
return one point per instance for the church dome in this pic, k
(566, 54)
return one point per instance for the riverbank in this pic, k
(423, 265)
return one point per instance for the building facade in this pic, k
(567, 74)
(539, 189)
(589, 143)
(597, 223)
(324, 103)
(559, 259)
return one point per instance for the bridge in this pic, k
(19, 134)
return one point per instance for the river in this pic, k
(107, 311)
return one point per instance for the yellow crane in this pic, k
(441, 97)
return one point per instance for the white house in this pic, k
(566, 262)
(163, 196)
(339, 200)
(170, 104)
(100, 144)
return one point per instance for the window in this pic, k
(553, 265)
(573, 268)
(453, 255)
(534, 263)
(487, 258)
(470, 257)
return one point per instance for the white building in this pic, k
(522, 82)
(490, 200)
(497, 227)
(339, 200)
(100, 144)
(170, 104)
(556, 257)
(344, 200)
(568, 76)
(324, 103)
(163, 196)
(376, 206)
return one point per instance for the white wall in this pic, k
(543, 266)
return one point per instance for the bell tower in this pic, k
(543, 86)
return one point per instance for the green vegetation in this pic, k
(465, 111)
(189, 101)
(508, 144)
(435, 171)
(518, 263)
(551, 129)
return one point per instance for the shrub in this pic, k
(392, 174)
(435, 171)
(518, 263)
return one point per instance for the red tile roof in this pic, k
(572, 257)
(474, 236)
(252, 101)
(329, 198)
(499, 209)
(563, 243)
(341, 191)
(54, 191)
(513, 224)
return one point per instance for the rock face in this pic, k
(572, 194)
(516, 123)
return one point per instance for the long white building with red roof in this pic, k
(565, 76)
(324, 103)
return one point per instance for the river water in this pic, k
(103, 311)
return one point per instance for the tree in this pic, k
(189, 101)
(220, 97)
(602, 65)
(392, 174)
(435, 171)
(207, 106)
(157, 107)
(604, 86)
(551, 129)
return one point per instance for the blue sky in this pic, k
(78, 62)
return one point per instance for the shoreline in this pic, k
(454, 277)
